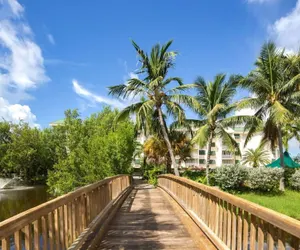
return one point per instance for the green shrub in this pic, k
(230, 177)
(295, 180)
(151, 172)
(194, 175)
(288, 173)
(265, 179)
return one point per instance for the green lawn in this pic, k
(287, 203)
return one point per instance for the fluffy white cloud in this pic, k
(260, 1)
(51, 39)
(16, 113)
(21, 62)
(285, 31)
(94, 98)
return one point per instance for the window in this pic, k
(227, 162)
(224, 152)
(212, 162)
(201, 152)
(237, 136)
(201, 161)
(213, 144)
(212, 152)
(191, 161)
(237, 162)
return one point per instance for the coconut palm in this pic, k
(153, 88)
(213, 106)
(275, 84)
(256, 157)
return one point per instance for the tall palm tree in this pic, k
(152, 87)
(275, 85)
(213, 106)
(256, 157)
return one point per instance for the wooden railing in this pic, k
(231, 222)
(58, 223)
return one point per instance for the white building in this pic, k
(220, 155)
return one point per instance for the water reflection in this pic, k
(19, 199)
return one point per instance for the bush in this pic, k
(151, 172)
(265, 179)
(295, 180)
(288, 173)
(200, 176)
(230, 177)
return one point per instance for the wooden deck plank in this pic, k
(150, 219)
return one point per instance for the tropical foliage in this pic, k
(214, 105)
(156, 97)
(275, 88)
(91, 150)
(258, 157)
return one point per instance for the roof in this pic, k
(57, 123)
(288, 162)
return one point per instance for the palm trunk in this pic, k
(208, 156)
(167, 140)
(280, 145)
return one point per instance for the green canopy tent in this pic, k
(288, 162)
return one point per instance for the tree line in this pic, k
(274, 85)
(67, 156)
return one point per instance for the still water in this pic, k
(19, 199)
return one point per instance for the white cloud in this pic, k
(16, 8)
(21, 62)
(51, 39)
(285, 31)
(245, 111)
(16, 113)
(260, 1)
(94, 98)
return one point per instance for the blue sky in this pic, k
(56, 55)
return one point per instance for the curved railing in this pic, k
(58, 223)
(231, 222)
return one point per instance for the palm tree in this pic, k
(213, 106)
(275, 84)
(256, 157)
(156, 151)
(156, 98)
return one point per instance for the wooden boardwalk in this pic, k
(150, 219)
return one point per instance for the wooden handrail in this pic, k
(238, 223)
(60, 221)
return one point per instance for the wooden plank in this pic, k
(56, 229)
(253, 232)
(225, 221)
(66, 224)
(270, 237)
(36, 235)
(234, 228)
(5, 244)
(44, 233)
(18, 240)
(286, 223)
(294, 243)
(245, 230)
(51, 231)
(28, 237)
(70, 230)
(61, 228)
(221, 213)
(239, 229)
(73, 221)
(281, 240)
(229, 225)
(260, 234)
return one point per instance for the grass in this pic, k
(287, 203)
